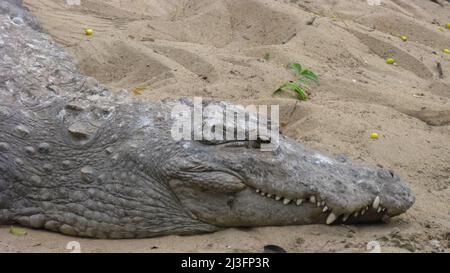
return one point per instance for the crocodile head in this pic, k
(235, 183)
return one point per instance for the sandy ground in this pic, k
(216, 48)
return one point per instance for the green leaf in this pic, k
(267, 56)
(300, 82)
(296, 67)
(310, 75)
(301, 93)
(17, 231)
(294, 87)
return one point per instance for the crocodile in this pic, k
(80, 160)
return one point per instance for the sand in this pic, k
(216, 48)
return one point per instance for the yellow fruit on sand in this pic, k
(448, 25)
(89, 31)
(446, 50)
(374, 136)
(390, 60)
(404, 38)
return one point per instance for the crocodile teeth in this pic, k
(299, 202)
(376, 203)
(312, 199)
(356, 214)
(331, 218)
(257, 190)
(345, 217)
(263, 194)
(269, 195)
(379, 210)
(325, 209)
(323, 203)
(362, 212)
(278, 198)
(318, 204)
(286, 201)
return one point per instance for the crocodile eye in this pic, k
(257, 143)
(251, 144)
(225, 143)
(244, 142)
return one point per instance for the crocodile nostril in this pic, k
(385, 174)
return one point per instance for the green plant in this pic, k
(299, 86)
(267, 56)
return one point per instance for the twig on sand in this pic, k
(439, 68)
(306, 8)
(311, 21)
(437, 2)
(290, 38)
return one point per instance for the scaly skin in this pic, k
(77, 159)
